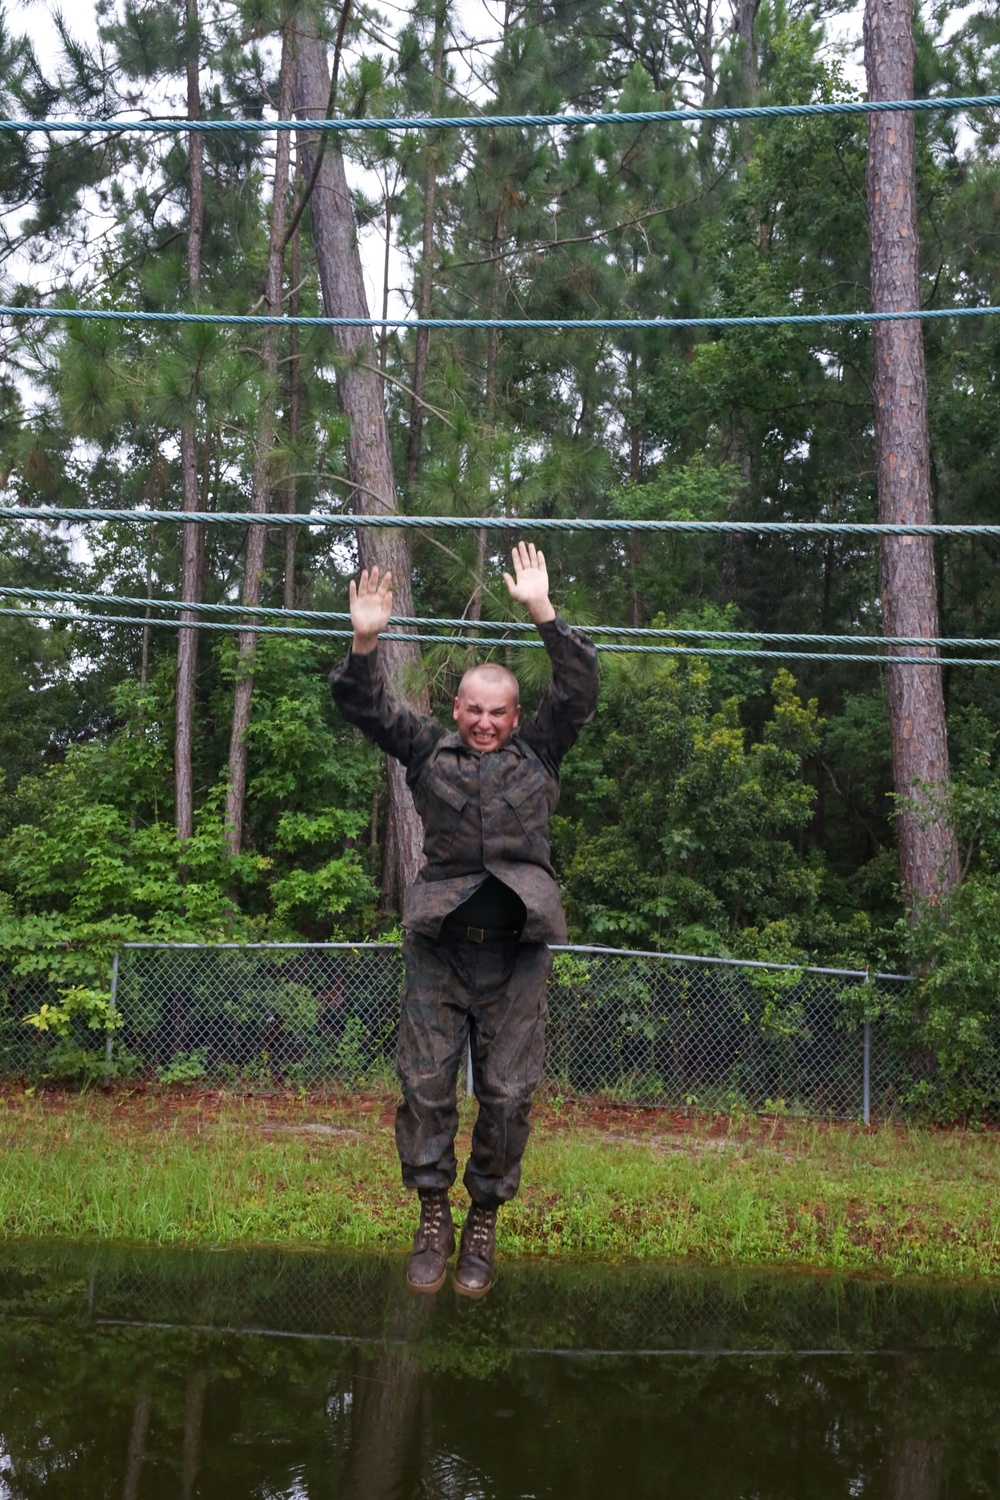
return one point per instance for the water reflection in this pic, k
(264, 1375)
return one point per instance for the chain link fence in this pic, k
(640, 1028)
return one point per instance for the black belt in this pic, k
(480, 934)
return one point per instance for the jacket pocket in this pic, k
(528, 799)
(445, 806)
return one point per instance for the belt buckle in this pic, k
(477, 934)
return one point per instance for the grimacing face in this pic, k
(486, 710)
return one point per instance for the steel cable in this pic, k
(735, 113)
(747, 649)
(391, 520)
(267, 320)
(330, 618)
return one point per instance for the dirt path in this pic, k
(341, 1114)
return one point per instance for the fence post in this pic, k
(866, 1086)
(112, 1016)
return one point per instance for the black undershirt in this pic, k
(492, 905)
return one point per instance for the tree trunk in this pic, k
(928, 854)
(474, 609)
(191, 534)
(262, 479)
(369, 457)
(144, 665)
(635, 548)
(425, 284)
(294, 400)
(390, 204)
(745, 14)
(393, 883)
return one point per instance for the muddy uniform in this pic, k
(480, 915)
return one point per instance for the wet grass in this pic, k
(157, 1169)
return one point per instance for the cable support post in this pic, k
(866, 1056)
(112, 1021)
(355, 124)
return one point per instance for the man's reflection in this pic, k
(390, 1428)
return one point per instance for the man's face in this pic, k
(486, 713)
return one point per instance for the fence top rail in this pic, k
(686, 958)
(350, 947)
(738, 963)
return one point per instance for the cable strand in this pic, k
(554, 325)
(330, 618)
(886, 658)
(514, 524)
(735, 113)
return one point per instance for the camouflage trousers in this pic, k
(493, 997)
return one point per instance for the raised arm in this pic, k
(358, 687)
(570, 699)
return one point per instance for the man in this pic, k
(481, 913)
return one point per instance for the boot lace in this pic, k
(482, 1223)
(431, 1221)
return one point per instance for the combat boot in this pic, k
(433, 1242)
(474, 1272)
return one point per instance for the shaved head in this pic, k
(490, 675)
(487, 707)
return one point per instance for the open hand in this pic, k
(530, 584)
(371, 608)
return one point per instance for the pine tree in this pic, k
(369, 456)
(928, 853)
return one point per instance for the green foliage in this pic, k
(351, 1057)
(183, 1067)
(74, 1057)
(77, 1003)
(682, 818)
(85, 857)
(89, 842)
(55, 996)
(952, 1022)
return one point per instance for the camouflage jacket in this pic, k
(483, 813)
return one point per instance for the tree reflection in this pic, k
(194, 1405)
(137, 1442)
(422, 1399)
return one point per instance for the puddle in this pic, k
(260, 1374)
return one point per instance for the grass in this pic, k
(171, 1167)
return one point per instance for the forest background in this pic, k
(719, 804)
